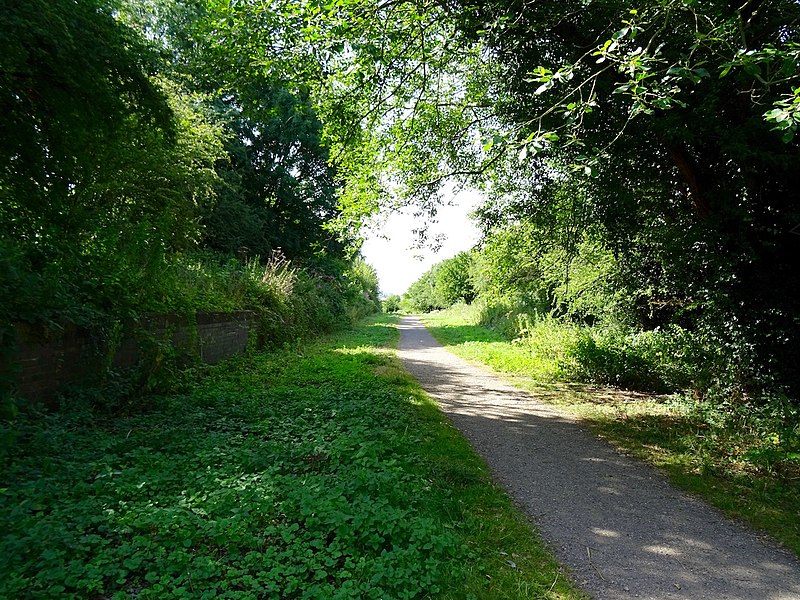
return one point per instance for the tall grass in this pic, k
(291, 301)
(556, 349)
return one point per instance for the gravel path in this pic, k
(615, 522)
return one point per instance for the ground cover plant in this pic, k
(743, 458)
(319, 470)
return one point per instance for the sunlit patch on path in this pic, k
(622, 529)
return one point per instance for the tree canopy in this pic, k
(132, 139)
(665, 131)
(661, 134)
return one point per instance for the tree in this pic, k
(454, 280)
(421, 295)
(670, 119)
(676, 119)
(104, 165)
(72, 80)
(280, 191)
(391, 304)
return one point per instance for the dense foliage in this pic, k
(654, 144)
(141, 170)
(641, 228)
(444, 284)
(684, 178)
(660, 135)
(741, 458)
(104, 166)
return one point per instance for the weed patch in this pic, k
(316, 471)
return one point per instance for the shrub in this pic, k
(661, 360)
(511, 317)
(391, 304)
(453, 280)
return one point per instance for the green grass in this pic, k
(475, 342)
(317, 471)
(735, 457)
(543, 358)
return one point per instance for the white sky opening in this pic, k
(390, 243)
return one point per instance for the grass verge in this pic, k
(724, 454)
(317, 471)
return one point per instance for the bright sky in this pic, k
(390, 248)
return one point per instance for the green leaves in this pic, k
(785, 117)
(106, 162)
(294, 475)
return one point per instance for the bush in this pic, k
(661, 360)
(290, 303)
(362, 290)
(511, 317)
(392, 304)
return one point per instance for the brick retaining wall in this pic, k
(46, 360)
